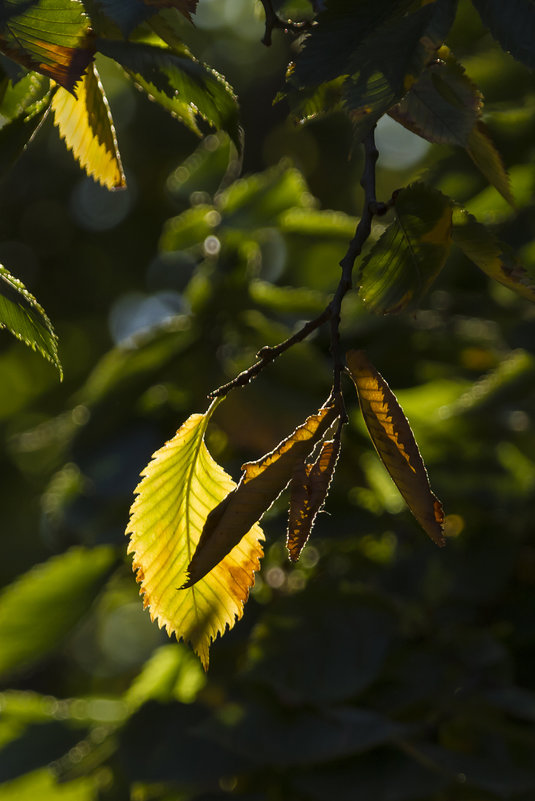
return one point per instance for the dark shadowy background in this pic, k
(378, 667)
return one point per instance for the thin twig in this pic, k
(331, 312)
(274, 21)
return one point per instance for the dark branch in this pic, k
(332, 312)
(274, 21)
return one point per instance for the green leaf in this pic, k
(443, 105)
(512, 24)
(128, 15)
(410, 254)
(495, 258)
(485, 156)
(49, 36)
(260, 485)
(190, 228)
(183, 86)
(39, 609)
(172, 673)
(180, 486)
(24, 97)
(86, 125)
(203, 171)
(21, 314)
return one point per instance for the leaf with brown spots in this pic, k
(394, 442)
(52, 37)
(260, 485)
(308, 490)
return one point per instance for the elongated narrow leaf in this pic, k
(50, 36)
(443, 105)
(260, 485)
(308, 490)
(483, 153)
(21, 314)
(512, 24)
(180, 486)
(182, 85)
(405, 261)
(42, 606)
(394, 442)
(86, 125)
(495, 258)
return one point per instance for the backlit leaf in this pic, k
(180, 486)
(23, 107)
(394, 442)
(41, 607)
(483, 153)
(512, 24)
(181, 84)
(50, 36)
(308, 490)
(495, 258)
(21, 314)
(410, 254)
(260, 485)
(443, 105)
(86, 125)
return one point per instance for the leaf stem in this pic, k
(331, 312)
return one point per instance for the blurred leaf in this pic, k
(128, 15)
(308, 490)
(443, 105)
(311, 222)
(410, 254)
(50, 36)
(86, 125)
(21, 314)
(489, 207)
(41, 784)
(180, 486)
(205, 169)
(485, 156)
(287, 299)
(278, 736)
(180, 83)
(512, 25)
(171, 674)
(190, 228)
(39, 609)
(394, 441)
(495, 258)
(260, 485)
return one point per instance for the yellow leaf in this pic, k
(260, 485)
(394, 441)
(86, 125)
(180, 486)
(309, 488)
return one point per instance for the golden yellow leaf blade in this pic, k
(260, 485)
(86, 125)
(180, 486)
(308, 490)
(394, 441)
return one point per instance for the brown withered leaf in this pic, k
(394, 441)
(260, 485)
(308, 490)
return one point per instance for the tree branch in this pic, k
(274, 21)
(331, 312)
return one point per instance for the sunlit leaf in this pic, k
(181, 84)
(23, 107)
(21, 314)
(43, 785)
(86, 125)
(308, 489)
(394, 442)
(443, 105)
(260, 485)
(180, 486)
(495, 258)
(512, 24)
(50, 36)
(39, 609)
(485, 156)
(410, 254)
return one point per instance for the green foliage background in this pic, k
(378, 667)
